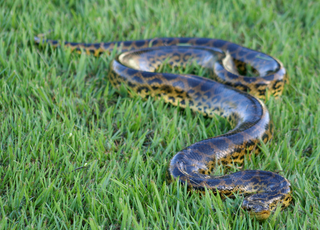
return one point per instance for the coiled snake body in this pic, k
(136, 67)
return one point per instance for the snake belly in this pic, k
(229, 94)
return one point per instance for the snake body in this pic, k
(226, 95)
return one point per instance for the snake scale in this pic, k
(230, 94)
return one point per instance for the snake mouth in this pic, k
(260, 215)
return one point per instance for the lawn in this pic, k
(76, 153)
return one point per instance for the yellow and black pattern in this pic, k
(228, 64)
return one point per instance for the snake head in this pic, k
(256, 209)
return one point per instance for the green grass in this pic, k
(76, 153)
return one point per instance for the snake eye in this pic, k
(248, 209)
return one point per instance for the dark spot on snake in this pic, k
(133, 72)
(200, 42)
(250, 80)
(200, 188)
(186, 56)
(208, 94)
(86, 45)
(143, 88)
(139, 44)
(106, 45)
(130, 84)
(213, 183)
(276, 85)
(206, 86)
(253, 180)
(56, 43)
(127, 43)
(71, 43)
(232, 47)
(249, 144)
(155, 80)
(261, 91)
(231, 75)
(193, 82)
(166, 88)
(178, 91)
(197, 96)
(235, 154)
(178, 84)
(154, 42)
(172, 99)
(91, 50)
(251, 56)
(137, 79)
(191, 91)
(96, 46)
(265, 135)
(179, 96)
(219, 43)
(241, 53)
(228, 181)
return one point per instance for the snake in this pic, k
(228, 92)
